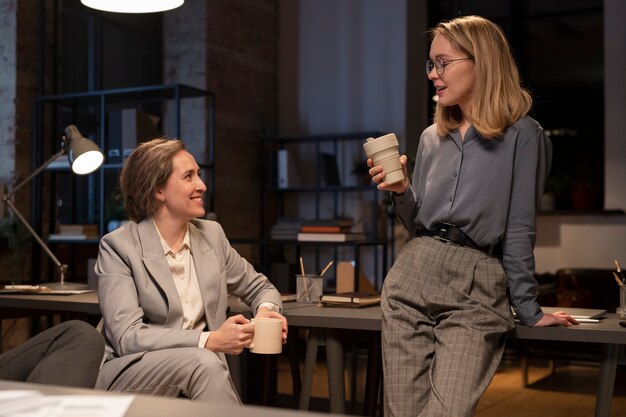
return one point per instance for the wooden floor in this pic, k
(569, 392)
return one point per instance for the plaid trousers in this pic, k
(445, 314)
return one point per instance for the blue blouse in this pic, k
(492, 189)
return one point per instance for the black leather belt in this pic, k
(451, 233)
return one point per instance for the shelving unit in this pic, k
(103, 117)
(327, 199)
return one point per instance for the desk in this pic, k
(153, 406)
(74, 303)
(38, 304)
(608, 332)
(327, 323)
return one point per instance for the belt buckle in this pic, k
(441, 233)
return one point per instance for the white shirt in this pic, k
(186, 281)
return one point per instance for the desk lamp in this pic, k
(84, 157)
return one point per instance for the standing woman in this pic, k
(471, 205)
(163, 285)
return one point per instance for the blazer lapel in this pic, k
(207, 270)
(156, 264)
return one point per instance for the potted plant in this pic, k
(15, 250)
(115, 212)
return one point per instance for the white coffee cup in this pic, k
(384, 151)
(268, 335)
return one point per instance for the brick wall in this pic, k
(242, 70)
(18, 89)
(8, 69)
(231, 49)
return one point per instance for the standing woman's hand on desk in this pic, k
(232, 336)
(377, 174)
(560, 318)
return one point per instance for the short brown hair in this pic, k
(499, 99)
(147, 169)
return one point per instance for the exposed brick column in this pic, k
(18, 89)
(8, 90)
(240, 65)
(184, 62)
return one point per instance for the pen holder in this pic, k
(309, 288)
(621, 310)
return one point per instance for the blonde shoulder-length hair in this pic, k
(499, 99)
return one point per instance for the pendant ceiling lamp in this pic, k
(133, 6)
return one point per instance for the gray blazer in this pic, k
(140, 306)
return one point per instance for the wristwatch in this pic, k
(270, 306)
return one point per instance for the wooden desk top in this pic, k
(607, 330)
(81, 303)
(310, 315)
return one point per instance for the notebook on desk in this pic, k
(577, 313)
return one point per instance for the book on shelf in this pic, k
(75, 232)
(67, 236)
(341, 222)
(283, 235)
(286, 170)
(325, 229)
(330, 237)
(351, 299)
(285, 229)
(287, 223)
(78, 228)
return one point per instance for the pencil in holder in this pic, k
(309, 288)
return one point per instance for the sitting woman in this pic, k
(163, 283)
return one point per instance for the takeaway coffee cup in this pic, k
(268, 336)
(384, 151)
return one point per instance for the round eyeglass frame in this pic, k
(440, 64)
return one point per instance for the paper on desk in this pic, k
(34, 404)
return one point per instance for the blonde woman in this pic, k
(471, 205)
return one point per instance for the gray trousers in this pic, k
(445, 313)
(193, 372)
(67, 354)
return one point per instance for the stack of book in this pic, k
(350, 299)
(285, 229)
(75, 232)
(328, 230)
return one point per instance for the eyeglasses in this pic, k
(440, 64)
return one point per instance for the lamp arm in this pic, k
(61, 267)
(33, 174)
